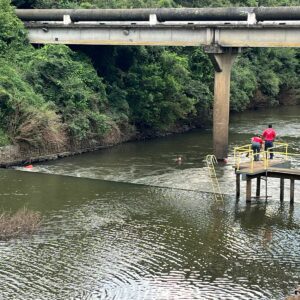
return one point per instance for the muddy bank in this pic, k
(287, 97)
(22, 154)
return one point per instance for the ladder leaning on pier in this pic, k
(211, 161)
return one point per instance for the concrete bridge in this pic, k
(223, 32)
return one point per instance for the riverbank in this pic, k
(20, 155)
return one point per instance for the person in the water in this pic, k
(178, 160)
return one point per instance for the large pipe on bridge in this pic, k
(286, 13)
(163, 14)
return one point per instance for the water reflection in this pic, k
(107, 242)
(261, 214)
(114, 240)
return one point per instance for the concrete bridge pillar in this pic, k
(222, 59)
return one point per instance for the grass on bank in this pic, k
(24, 221)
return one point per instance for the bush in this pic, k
(46, 93)
(68, 80)
(12, 32)
(51, 92)
(4, 139)
(25, 115)
(103, 3)
(243, 84)
(157, 94)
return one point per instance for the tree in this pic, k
(157, 90)
(68, 80)
(12, 32)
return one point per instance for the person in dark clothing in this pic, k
(256, 144)
(269, 136)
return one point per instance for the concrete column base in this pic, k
(222, 61)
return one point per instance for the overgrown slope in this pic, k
(59, 95)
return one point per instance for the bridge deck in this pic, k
(232, 34)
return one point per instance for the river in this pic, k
(128, 222)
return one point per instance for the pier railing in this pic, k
(243, 154)
(280, 149)
(283, 165)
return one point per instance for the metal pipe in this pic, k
(163, 14)
(277, 13)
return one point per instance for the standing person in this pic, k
(269, 136)
(256, 144)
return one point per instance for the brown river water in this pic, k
(129, 223)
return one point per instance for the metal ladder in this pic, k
(211, 161)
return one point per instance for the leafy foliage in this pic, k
(12, 32)
(243, 84)
(220, 3)
(156, 92)
(46, 93)
(25, 116)
(103, 3)
(4, 140)
(54, 93)
(69, 81)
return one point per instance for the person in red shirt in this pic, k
(269, 136)
(256, 144)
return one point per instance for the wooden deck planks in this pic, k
(259, 167)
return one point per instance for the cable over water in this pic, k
(152, 235)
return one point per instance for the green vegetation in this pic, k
(157, 89)
(68, 81)
(49, 95)
(55, 94)
(97, 3)
(148, 3)
(12, 33)
(25, 116)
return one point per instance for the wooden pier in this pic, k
(257, 170)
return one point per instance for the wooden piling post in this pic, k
(248, 189)
(260, 172)
(292, 191)
(281, 189)
(238, 186)
(258, 186)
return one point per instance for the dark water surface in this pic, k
(129, 223)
